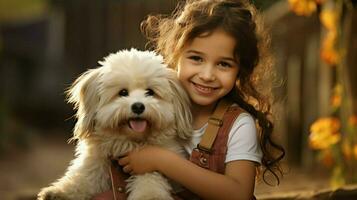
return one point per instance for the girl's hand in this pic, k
(142, 160)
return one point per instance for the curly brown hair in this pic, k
(168, 35)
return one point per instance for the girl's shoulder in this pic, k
(240, 122)
(241, 116)
(242, 141)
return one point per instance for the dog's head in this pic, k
(132, 93)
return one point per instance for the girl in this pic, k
(218, 49)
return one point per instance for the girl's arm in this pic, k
(237, 182)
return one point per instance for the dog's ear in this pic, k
(83, 94)
(182, 105)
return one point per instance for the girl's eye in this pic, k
(149, 92)
(123, 93)
(224, 64)
(195, 58)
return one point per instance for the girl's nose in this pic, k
(207, 73)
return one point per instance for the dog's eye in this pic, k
(123, 93)
(149, 92)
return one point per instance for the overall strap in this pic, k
(118, 178)
(118, 184)
(214, 123)
(213, 158)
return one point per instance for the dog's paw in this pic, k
(51, 193)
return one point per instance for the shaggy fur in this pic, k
(109, 124)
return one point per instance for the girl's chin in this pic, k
(203, 101)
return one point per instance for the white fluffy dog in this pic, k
(132, 100)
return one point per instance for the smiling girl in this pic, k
(217, 48)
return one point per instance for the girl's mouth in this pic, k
(203, 89)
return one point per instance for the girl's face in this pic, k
(207, 68)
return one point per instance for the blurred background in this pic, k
(46, 44)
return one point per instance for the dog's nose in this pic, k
(138, 108)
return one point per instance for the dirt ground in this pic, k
(24, 172)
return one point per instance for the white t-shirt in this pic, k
(242, 141)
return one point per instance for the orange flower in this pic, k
(324, 132)
(336, 97)
(347, 150)
(303, 7)
(329, 18)
(328, 52)
(352, 120)
(336, 100)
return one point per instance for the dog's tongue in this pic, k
(138, 125)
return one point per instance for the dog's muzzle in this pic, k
(138, 124)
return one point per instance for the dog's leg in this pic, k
(83, 179)
(149, 186)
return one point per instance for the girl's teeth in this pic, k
(202, 88)
(205, 88)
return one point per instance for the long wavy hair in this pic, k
(168, 35)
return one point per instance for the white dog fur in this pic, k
(107, 124)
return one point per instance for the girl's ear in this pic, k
(83, 94)
(182, 105)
